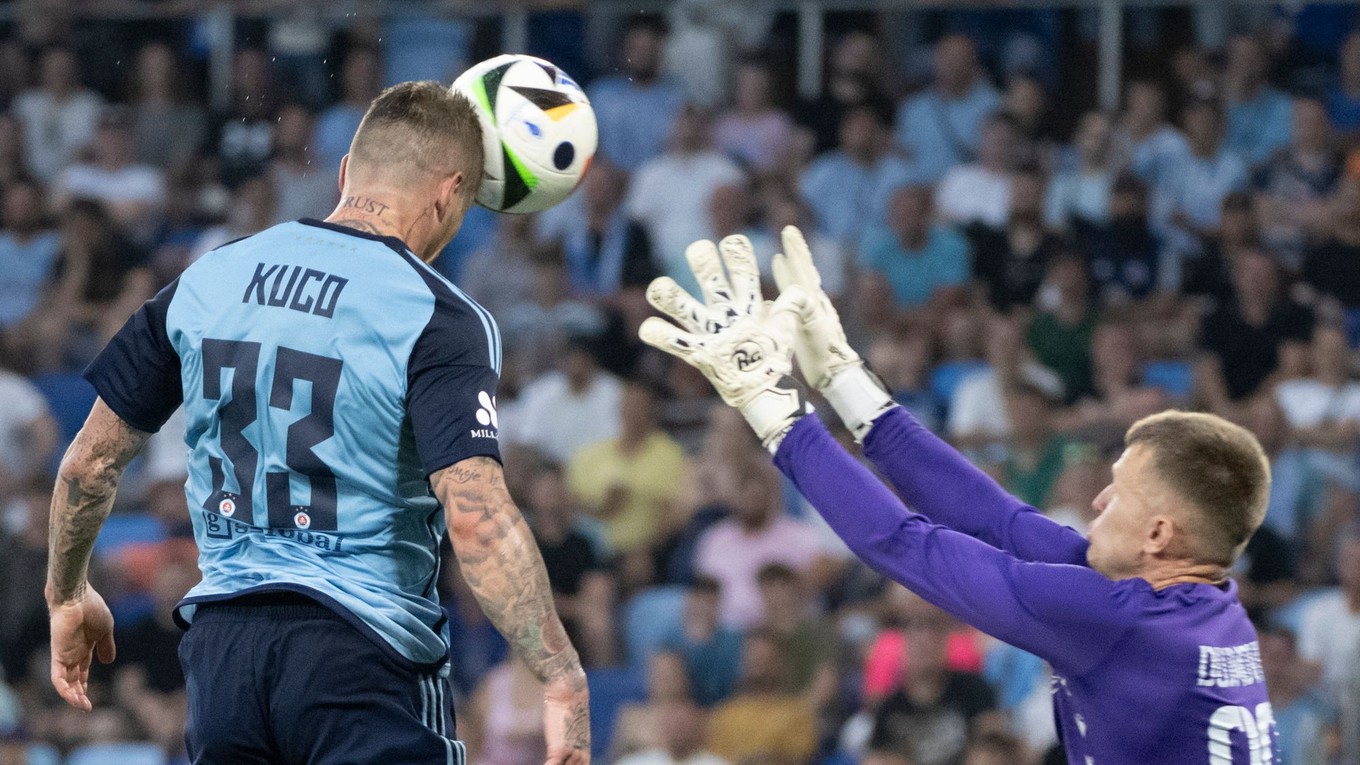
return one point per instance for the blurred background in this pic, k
(1040, 221)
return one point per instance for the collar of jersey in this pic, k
(392, 242)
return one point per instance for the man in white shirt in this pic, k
(58, 117)
(1329, 628)
(980, 192)
(681, 725)
(28, 434)
(565, 410)
(129, 191)
(670, 194)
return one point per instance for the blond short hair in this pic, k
(420, 128)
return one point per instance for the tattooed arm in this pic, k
(502, 565)
(86, 484)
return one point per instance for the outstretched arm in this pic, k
(1070, 615)
(86, 485)
(503, 567)
(941, 484)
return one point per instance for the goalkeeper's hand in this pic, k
(828, 362)
(741, 343)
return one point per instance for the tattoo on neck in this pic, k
(364, 204)
(359, 225)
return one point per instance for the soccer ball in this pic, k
(538, 130)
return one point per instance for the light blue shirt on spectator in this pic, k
(334, 131)
(1258, 127)
(938, 133)
(1196, 187)
(945, 260)
(24, 268)
(634, 120)
(846, 196)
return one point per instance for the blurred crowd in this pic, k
(1028, 273)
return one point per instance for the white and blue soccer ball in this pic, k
(538, 130)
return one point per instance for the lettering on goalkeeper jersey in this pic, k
(1230, 667)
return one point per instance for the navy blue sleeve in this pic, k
(137, 374)
(451, 383)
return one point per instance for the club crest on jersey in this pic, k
(227, 507)
(302, 520)
(486, 417)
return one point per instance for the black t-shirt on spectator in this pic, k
(1333, 268)
(1209, 275)
(568, 562)
(1011, 279)
(1249, 354)
(1123, 256)
(935, 734)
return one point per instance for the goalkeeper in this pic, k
(1154, 659)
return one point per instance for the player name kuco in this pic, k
(305, 290)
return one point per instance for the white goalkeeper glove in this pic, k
(741, 343)
(825, 356)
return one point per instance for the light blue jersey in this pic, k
(325, 373)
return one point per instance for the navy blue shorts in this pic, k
(279, 678)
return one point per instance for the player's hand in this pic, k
(566, 721)
(741, 343)
(80, 629)
(825, 356)
(821, 348)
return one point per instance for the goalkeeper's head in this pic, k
(1187, 494)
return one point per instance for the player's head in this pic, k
(421, 144)
(1188, 492)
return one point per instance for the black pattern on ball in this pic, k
(563, 155)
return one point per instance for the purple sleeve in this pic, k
(1070, 615)
(939, 483)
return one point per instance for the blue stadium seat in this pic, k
(1174, 377)
(43, 754)
(610, 689)
(122, 754)
(1353, 327)
(947, 376)
(648, 619)
(69, 397)
(123, 529)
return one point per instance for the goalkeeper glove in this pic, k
(741, 343)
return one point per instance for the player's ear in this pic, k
(1158, 534)
(447, 198)
(344, 169)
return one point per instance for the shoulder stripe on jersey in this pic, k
(493, 333)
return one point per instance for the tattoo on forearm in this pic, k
(503, 567)
(364, 204)
(83, 496)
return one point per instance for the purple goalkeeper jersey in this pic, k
(1141, 676)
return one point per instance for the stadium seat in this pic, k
(43, 754)
(122, 754)
(610, 689)
(947, 376)
(648, 619)
(124, 529)
(1353, 327)
(1174, 377)
(69, 397)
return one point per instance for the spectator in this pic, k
(1144, 141)
(670, 193)
(1323, 410)
(360, 81)
(734, 550)
(58, 116)
(854, 78)
(605, 251)
(1294, 186)
(1120, 396)
(250, 211)
(28, 252)
(1244, 339)
(1189, 196)
(500, 275)
(504, 721)
(131, 193)
(1329, 627)
(809, 641)
(731, 210)
(538, 328)
(993, 749)
(1026, 102)
(682, 734)
(567, 409)
(763, 718)
(636, 109)
(1082, 195)
(1258, 120)
(1210, 274)
(1060, 334)
(638, 726)
(980, 192)
(901, 356)
(242, 138)
(1035, 454)
(930, 717)
(169, 126)
(1123, 253)
(846, 187)
(942, 127)
(755, 132)
(912, 262)
(1343, 100)
(829, 256)
(631, 483)
(13, 156)
(1009, 261)
(1305, 723)
(582, 584)
(977, 411)
(1332, 266)
(710, 651)
(303, 186)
